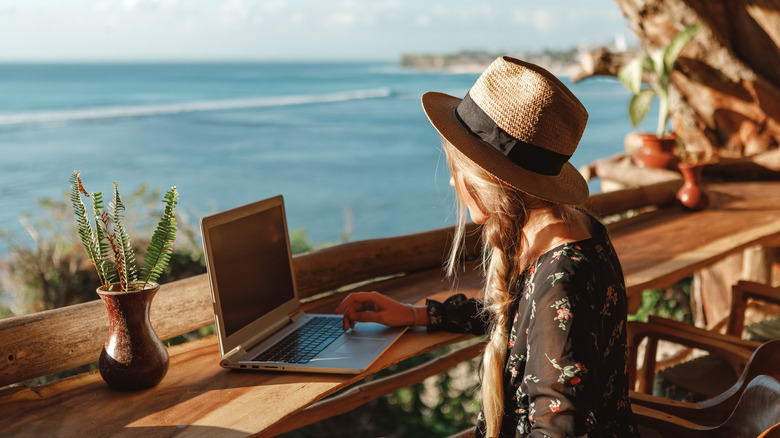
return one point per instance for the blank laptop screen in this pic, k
(251, 260)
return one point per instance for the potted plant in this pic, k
(657, 150)
(133, 356)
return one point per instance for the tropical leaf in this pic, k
(640, 106)
(654, 63)
(158, 254)
(102, 263)
(123, 251)
(631, 75)
(660, 63)
(87, 234)
(672, 51)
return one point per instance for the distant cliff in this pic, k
(562, 63)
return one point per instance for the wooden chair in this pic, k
(741, 293)
(736, 352)
(757, 413)
(764, 361)
(692, 337)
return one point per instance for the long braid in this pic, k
(503, 236)
(502, 260)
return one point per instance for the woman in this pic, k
(554, 297)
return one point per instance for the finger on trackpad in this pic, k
(357, 345)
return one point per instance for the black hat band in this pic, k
(526, 155)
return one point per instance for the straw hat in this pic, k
(521, 124)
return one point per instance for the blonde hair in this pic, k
(504, 258)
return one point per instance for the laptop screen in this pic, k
(252, 264)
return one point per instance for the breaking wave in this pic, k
(58, 116)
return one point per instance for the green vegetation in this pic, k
(673, 302)
(481, 59)
(659, 65)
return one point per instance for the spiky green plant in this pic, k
(107, 242)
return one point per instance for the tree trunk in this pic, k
(725, 96)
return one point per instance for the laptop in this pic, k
(256, 308)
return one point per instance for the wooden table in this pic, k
(662, 247)
(198, 398)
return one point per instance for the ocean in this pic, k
(347, 144)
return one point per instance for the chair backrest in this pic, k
(772, 432)
(740, 293)
(757, 411)
(764, 361)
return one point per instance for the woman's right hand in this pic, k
(376, 307)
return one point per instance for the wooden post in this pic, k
(757, 264)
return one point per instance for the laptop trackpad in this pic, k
(357, 345)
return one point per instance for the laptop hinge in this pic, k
(234, 354)
(296, 316)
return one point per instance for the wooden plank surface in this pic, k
(665, 246)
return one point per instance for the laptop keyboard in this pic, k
(305, 342)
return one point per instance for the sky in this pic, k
(246, 30)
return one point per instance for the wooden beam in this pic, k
(330, 268)
(609, 203)
(621, 168)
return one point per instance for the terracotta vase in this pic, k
(656, 152)
(690, 195)
(133, 356)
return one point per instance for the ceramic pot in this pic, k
(656, 152)
(133, 356)
(690, 195)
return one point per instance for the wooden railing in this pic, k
(55, 340)
(48, 342)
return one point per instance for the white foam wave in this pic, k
(59, 116)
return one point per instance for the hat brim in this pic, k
(568, 187)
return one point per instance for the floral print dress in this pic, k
(566, 368)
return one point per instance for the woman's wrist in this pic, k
(414, 315)
(419, 315)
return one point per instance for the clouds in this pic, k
(234, 12)
(563, 18)
(320, 29)
(539, 19)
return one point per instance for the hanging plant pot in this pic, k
(690, 195)
(656, 152)
(133, 356)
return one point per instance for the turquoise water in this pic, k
(347, 144)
